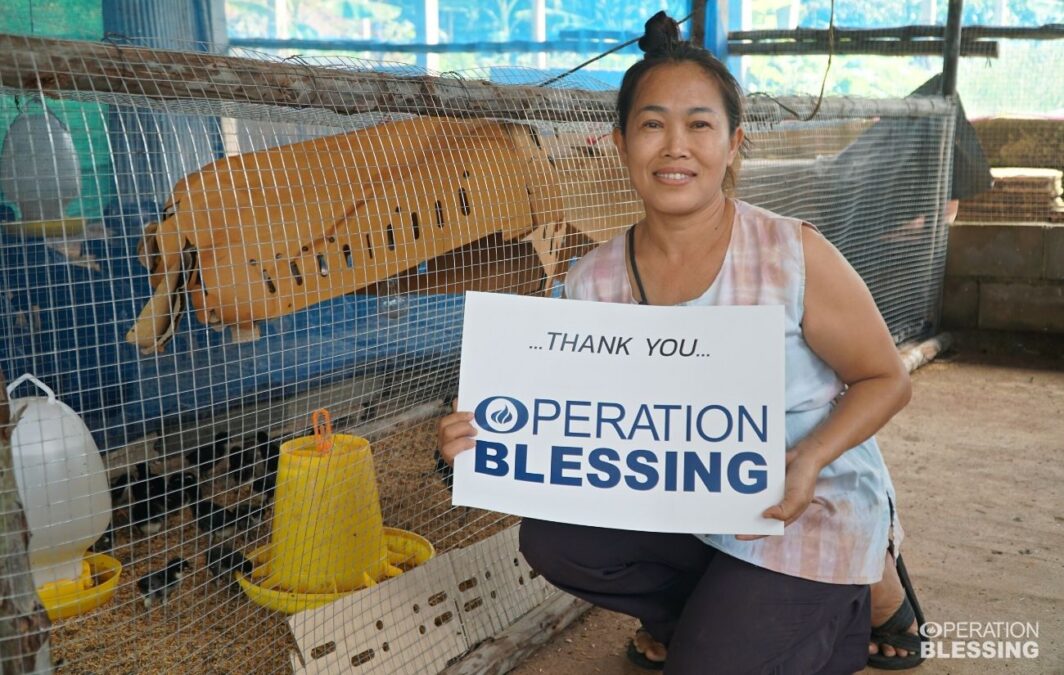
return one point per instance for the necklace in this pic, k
(635, 267)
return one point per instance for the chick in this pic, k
(249, 515)
(271, 452)
(181, 489)
(106, 542)
(444, 470)
(205, 457)
(215, 520)
(158, 585)
(223, 562)
(149, 507)
(266, 485)
(241, 462)
(119, 489)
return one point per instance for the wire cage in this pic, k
(199, 251)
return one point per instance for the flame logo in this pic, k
(502, 416)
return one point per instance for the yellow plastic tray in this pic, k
(405, 549)
(65, 600)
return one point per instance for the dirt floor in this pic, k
(978, 462)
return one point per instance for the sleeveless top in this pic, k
(842, 537)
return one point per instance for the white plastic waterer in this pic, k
(62, 483)
(39, 167)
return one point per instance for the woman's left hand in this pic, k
(798, 490)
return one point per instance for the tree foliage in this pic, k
(1010, 83)
(71, 19)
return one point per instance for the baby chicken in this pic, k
(249, 515)
(215, 520)
(241, 462)
(181, 488)
(205, 457)
(148, 510)
(271, 452)
(223, 562)
(160, 584)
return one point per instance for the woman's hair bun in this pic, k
(659, 34)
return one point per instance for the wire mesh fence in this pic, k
(199, 252)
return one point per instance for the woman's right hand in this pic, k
(454, 435)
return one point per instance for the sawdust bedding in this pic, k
(207, 628)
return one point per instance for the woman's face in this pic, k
(677, 145)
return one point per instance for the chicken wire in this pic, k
(230, 265)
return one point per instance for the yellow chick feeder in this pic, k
(328, 538)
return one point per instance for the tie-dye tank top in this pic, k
(842, 537)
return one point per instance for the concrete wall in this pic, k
(1005, 276)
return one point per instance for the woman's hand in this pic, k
(798, 488)
(454, 435)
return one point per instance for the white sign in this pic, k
(661, 419)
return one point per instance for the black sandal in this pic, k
(894, 631)
(640, 659)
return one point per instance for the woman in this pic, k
(793, 603)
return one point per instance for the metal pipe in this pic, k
(951, 54)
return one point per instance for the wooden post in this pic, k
(698, 22)
(24, 625)
(952, 50)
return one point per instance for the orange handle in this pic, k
(322, 422)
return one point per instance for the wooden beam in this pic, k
(1050, 31)
(1046, 32)
(929, 47)
(52, 66)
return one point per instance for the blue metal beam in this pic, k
(576, 45)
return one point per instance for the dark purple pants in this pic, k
(714, 612)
